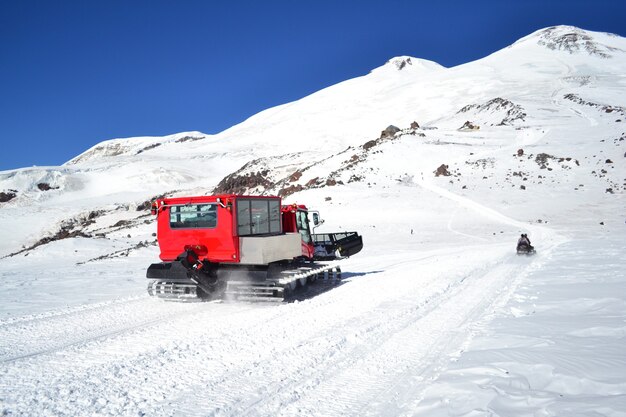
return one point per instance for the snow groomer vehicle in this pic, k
(241, 247)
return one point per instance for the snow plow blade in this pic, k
(329, 246)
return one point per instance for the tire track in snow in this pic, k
(129, 370)
(316, 358)
(412, 353)
(404, 363)
(48, 333)
(216, 350)
(67, 311)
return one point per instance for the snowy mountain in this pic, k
(438, 168)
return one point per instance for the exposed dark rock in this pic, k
(312, 182)
(122, 223)
(573, 40)
(7, 196)
(73, 227)
(238, 183)
(542, 159)
(147, 205)
(512, 112)
(290, 190)
(44, 186)
(189, 139)
(520, 152)
(65, 232)
(369, 144)
(295, 176)
(415, 125)
(401, 63)
(602, 107)
(442, 171)
(469, 126)
(390, 131)
(608, 161)
(147, 148)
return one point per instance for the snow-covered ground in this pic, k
(437, 316)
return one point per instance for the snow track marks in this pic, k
(368, 353)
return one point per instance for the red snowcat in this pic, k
(242, 247)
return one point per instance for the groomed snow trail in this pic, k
(244, 359)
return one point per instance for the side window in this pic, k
(275, 216)
(259, 216)
(243, 217)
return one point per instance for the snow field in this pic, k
(557, 349)
(290, 352)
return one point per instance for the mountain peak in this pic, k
(573, 40)
(408, 63)
(400, 62)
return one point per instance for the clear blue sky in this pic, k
(74, 73)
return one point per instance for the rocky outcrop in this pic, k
(500, 107)
(442, 171)
(6, 196)
(469, 126)
(189, 139)
(147, 148)
(389, 132)
(69, 228)
(601, 107)
(245, 180)
(44, 186)
(573, 40)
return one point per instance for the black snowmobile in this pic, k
(524, 247)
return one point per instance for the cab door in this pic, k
(302, 224)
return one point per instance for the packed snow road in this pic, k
(358, 349)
